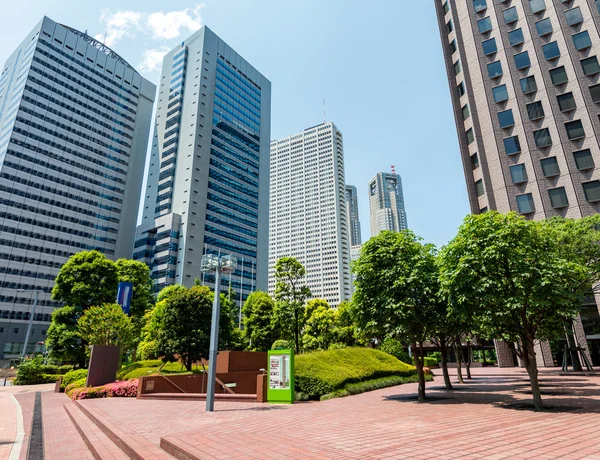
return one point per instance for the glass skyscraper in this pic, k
(74, 125)
(208, 180)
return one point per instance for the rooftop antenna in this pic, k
(324, 112)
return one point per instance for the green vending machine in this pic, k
(281, 377)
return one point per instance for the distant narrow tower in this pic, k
(387, 203)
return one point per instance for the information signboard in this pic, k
(281, 377)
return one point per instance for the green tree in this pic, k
(106, 325)
(88, 278)
(345, 329)
(258, 320)
(320, 328)
(290, 294)
(148, 346)
(137, 273)
(313, 304)
(62, 338)
(511, 276)
(396, 289)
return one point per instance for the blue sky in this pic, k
(378, 65)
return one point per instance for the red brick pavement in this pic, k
(468, 423)
(8, 424)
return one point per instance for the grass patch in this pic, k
(324, 372)
(370, 385)
(150, 367)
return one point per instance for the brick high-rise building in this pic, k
(525, 86)
(74, 124)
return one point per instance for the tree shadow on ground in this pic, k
(257, 409)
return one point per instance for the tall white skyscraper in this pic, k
(352, 215)
(208, 183)
(308, 217)
(387, 203)
(74, 124)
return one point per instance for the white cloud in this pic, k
(159, 25)
(152, 59)
(169, 25)
(118, 25)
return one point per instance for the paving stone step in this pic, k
(134, 447)
(100, 445)
(199, 397)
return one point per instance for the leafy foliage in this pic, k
(258, 320)
(137, 273)
(62, 337)
(105, 325)
(320, 330)
(396, 349)
(323, 372)
(290, 295)
(282, 345)
(87, 278)
(511, 276)
(73, 376)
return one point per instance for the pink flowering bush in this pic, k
(119, 389)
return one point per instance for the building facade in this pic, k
(208, 180)
(308, 218)
(74, 125)
(525, 86)
(352, 215)
(386, 201)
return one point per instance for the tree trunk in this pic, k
(468, 362)
(188, 363)
(484, 361)
(444, 351)
(528, 357)
(420, 373)
(458, 353)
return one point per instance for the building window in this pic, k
(512, 145)
(592, 191)
(510, 15)
(550, 167)
(542, 138)
(535, 110)
(522, 60)
(537, 6)
(551, 51)
(489, 46)
(528, 85)
(500, 93)
(457, 67)
(515, 37)
(595, 92)
(583, 160)
(465, 112)
(506, 118)
(525, 203)
(453, 46)
(446, 7)
(566, 102)
(582, 40)
(559, 76)
(575, 130)
(485, 25)
(558, 197)
(544, 27)
(479, 187)
(483, 210)
(574, 16)
(449, 26)
(470, 136)
(518, 173)
(479, 5)
(590, 66)
(474, 161)
(461, 89)
(495, 69)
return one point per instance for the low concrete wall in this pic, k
(241, 361)
(245, 383)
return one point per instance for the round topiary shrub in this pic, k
(282, 345)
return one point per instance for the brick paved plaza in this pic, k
(467, 423)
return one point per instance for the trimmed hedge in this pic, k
(142, 368)
(323, 372)
(73, 376)
(71, 387)
(370, 385)
(53, 369)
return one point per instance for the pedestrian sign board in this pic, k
(281, 388)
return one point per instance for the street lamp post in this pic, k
(28, 334)
(219, 264)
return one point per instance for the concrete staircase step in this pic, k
(134, 447)
(100, 445)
